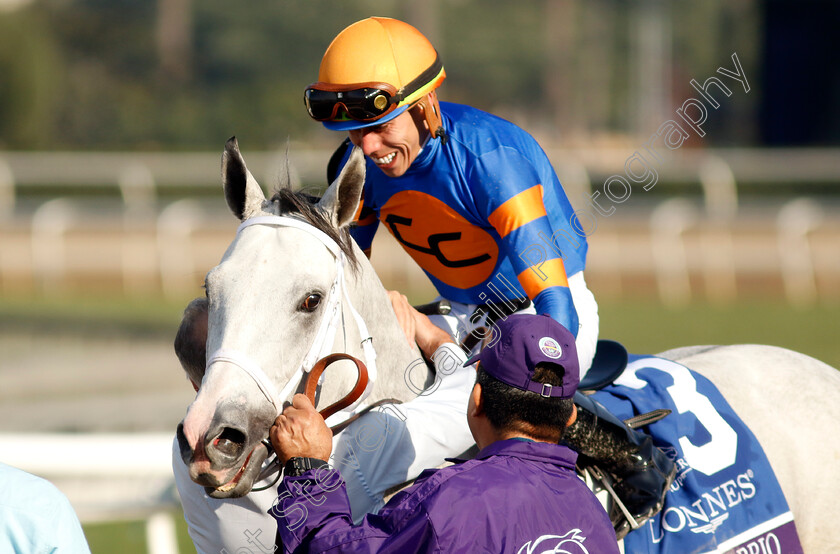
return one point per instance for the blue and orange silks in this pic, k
(483, 214)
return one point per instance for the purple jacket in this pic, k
(515, 496)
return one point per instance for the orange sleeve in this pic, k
(535, 279)
(518, 211)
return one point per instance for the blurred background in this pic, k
(113, 115)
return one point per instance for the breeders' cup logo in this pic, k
(570, 543)
(550, 348)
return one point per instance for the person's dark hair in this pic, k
(191, 340)
(508, 408)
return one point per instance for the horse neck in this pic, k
(394, 355)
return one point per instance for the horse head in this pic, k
(291, 288)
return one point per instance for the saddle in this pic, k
(609, 361)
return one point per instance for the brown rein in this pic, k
(311, 385)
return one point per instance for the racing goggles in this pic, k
(368, 102)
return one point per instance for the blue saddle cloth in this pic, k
(725, 497)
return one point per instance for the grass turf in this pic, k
(643, 326)
(129, 537)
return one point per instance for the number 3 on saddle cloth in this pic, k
(725, 494)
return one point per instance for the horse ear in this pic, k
(242, 192)
(341, 200)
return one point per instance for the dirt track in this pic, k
(90, 385)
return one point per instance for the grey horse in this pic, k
(284, 295)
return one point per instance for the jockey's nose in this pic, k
(368, 139)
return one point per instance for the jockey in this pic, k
(474, 200)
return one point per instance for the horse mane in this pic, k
(301, 203)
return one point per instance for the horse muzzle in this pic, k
(225, 458)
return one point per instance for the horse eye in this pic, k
(311, 302)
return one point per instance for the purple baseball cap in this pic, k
(521, 342)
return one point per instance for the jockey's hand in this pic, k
(418, 327)
(429, 336)
(300, 431)
(403, 311)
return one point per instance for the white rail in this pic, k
(165, 249)
(308, 166)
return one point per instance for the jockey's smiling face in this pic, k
(394, 145)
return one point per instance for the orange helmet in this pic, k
(373, 71)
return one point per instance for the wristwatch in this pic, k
(297, 466)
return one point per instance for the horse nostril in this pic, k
(183, 444)
(230, 442)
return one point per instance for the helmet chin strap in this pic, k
(431, 111)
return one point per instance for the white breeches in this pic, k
(458, 323)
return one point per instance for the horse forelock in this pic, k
(288, 201)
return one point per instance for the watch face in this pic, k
(297, 466)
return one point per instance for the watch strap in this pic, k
(297, 466)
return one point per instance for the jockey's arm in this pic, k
(512, 199)
(418, 327)
(557, 302)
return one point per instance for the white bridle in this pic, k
(324, 338)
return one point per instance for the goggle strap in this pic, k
(421, 80)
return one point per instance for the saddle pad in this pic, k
(725, 498)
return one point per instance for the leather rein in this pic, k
(311, 387)
(311, 382)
